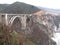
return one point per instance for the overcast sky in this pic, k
(44, 3)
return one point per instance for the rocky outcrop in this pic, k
(40, 28)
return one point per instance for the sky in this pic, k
(54, 4)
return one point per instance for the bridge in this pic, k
(8, 19)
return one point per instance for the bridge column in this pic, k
(23, 21)
(4, 19)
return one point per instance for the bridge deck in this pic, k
(14, 14)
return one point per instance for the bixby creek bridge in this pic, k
(8, 19)
(33, 26)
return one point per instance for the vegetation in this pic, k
(13, 38)
(3, 6)
(19, 7)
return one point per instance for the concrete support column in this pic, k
(23, 22)
(4, 20)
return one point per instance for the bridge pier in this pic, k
(4, 20)
(23, 22)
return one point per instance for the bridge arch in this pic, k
(13, 18)
(15, 24)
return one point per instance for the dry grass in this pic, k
(12, 38)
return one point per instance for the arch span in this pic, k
(16, 25)
(13, 18)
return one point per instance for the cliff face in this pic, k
(44, 20)
(41, 28)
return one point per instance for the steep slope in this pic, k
(21, 8)
(3, 6)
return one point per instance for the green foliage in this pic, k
(20, 8)
(3, 6)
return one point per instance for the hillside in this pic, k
(20, 8)
(3, 6)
